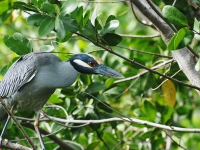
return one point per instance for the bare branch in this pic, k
(132, 120)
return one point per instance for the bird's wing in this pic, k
(21, 72)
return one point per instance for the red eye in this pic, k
(91, 63)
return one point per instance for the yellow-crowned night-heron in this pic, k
(33, 78)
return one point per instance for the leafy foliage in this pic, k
(75, 27)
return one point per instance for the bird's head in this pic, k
(89, 64)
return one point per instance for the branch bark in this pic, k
(132, 120)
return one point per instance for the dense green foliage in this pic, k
(74, 26)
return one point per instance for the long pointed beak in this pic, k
(106, 71)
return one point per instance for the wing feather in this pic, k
(21, 72)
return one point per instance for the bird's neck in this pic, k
(66, 74)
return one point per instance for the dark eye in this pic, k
(91, 63)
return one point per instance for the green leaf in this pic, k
(48, 8)
(170, 45)
(67, 36)
(86, 17)
(188, 38)
(46, 26)
(95, 87)
(18, 44)
(4, 70)
(46, 48)
(146, 135)
(60, 29)
(24, 6)
(105, 106)
(114, 91)
(37, 3)
(54, 99)
(166, 114)
(94, 16)
(111, 39)
(110, 26)
(89, 31)
(109, 82)
(149, 110)
(68, 7)
(79, 16)
(196, 25)
(177, 39)
(78, 110)
(36, 19)
(70, 24)
(197, 28)
(85, 79)
(93, 145)
(111, 17)
(111, 139)
(174, 16)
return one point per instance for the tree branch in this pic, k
(132, 120)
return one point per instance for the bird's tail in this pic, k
(3, 113)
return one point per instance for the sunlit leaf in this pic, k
(18, 44)
(94, 16)
(109, 82)
(174, 16)
(68, 7)
(60, 29)
(46, 26)
(110, 26)
(177, 39)
(196, 28)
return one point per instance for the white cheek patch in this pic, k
(81, 63)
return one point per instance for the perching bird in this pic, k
(33, 78)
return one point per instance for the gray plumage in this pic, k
(32, 79)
